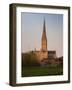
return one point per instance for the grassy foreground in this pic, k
(42, 71)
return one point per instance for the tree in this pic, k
(29, 59)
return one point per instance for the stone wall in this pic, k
(41, 55)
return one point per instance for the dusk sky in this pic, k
(32, 28)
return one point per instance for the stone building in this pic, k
(44, 56)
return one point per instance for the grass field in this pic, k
(42, 71)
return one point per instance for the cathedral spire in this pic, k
(44, 27)
(44, 38)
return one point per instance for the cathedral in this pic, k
(44, 55)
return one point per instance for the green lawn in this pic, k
(42, 70)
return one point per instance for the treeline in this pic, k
(29, 59)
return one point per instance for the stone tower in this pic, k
(44, 39)
(42, 55)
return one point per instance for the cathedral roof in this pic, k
(51, 51)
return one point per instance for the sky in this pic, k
(32, 28)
